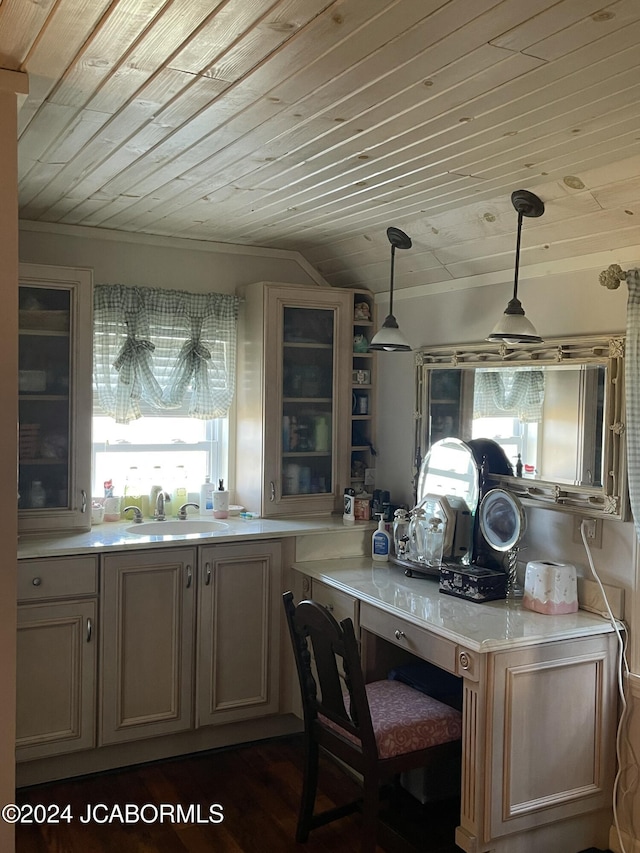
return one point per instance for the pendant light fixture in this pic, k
(390, 338)
(513, 327)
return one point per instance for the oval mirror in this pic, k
(450, 469)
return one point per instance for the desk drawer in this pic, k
(407, 636)
(62, 577)
(337, 602)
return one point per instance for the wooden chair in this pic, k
(379, 729)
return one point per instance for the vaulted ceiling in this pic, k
(312, 125)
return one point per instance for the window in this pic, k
(164, 378)
(185, 449)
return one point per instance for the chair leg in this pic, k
(370, 813)
(309, 787)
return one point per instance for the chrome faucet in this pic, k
(182, 512)
(137, 513)
(159, 510)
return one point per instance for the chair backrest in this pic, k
(324, 695)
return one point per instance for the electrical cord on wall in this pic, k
(623, 672)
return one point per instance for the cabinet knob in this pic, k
(399, 635)
(89, 630)
(207, 574)
(189, 576)
(36, 581)
(272, 492)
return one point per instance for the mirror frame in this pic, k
(609, 500)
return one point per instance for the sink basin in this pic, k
(174, 528)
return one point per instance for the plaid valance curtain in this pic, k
(163, 351)
(512, 393)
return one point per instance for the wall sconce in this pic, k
(513, 327)
(390, 338)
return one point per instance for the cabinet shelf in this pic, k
(311, 400)
(44, 398)
(43, 460)
(363, 354)
(306, 345)
(44, 333)
(297, 454)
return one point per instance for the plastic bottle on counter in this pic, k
(349, 514)
(206, 497)
(380, 542)
(179, 490)
(134, 493)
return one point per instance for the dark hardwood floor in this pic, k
(257, 787)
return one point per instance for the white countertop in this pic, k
(114, 536)
(482, 627)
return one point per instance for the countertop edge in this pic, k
(544, 628)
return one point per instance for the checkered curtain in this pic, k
(514, 393)
(632, 391)
(163, 351)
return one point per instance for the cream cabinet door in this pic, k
(294, 401)
(56, 678)
(146, 655)
(55, 341)
(238, 632)
(551, 751)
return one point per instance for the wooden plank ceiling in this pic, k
(313, 125)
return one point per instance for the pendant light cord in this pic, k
(515, 277)
(393, 257)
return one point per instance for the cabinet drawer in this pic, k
(410, 637)
(65, 577)
(337, 602)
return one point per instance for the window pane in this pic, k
(198, 446)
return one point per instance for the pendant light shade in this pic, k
(513, 327)
(390, 338)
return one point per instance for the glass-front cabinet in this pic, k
(293, 399)
(54, 394)
(307, 401)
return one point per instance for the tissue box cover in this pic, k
(474, 583)
(550, 587)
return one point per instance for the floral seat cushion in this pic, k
(404, 719)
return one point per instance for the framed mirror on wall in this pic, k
(556, 408)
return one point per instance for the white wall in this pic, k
(569, 304)
(148, 261)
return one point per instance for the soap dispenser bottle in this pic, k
(380, 542)
(221, 501)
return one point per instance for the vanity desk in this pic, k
(539, 700)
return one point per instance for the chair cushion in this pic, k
(405, 720)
